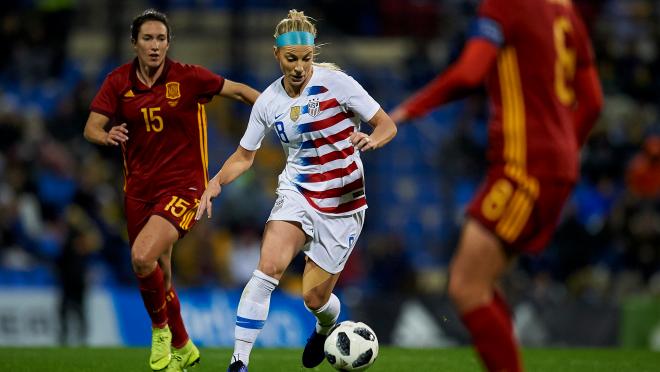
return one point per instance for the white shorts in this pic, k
(331, 238)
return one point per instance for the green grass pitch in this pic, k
(288, 360)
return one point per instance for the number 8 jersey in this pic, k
(167, 147)
(532, 87)
(314, 129)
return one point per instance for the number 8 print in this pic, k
(493, 204)
(565, 63)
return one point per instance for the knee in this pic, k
(460, 289)
(142, 265)
(467, 293)
(271, 269)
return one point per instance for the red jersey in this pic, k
(531, 87)
(167, 148)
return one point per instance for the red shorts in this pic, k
(178, 208)
(522, 212)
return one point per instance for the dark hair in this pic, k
(149, 15)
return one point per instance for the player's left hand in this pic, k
(362, 141)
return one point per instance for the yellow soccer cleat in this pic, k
(161, 338)
(183, 358)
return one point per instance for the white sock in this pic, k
(252, 313)
(326, 315)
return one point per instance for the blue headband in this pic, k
(294, 38)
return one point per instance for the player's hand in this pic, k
(206, 202)
(362, 141)
(117, 134)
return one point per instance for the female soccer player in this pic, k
(160, 103)
(545, 96)
(315, 110)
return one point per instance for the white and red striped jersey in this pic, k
(314, 129)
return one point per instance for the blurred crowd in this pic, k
(61, 218)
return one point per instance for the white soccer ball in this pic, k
(351, 346)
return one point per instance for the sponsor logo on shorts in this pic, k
(278, 204)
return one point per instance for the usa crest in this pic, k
(295, 113)
(172, 90)
(313, 107)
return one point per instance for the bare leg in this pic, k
(282, 241)
(477, 266)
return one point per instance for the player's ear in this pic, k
(275, 53)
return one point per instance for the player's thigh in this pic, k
(137, 214)
(156, 237)
(317, 284)
(477, 265)
(282, 241)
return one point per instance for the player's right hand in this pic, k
(206, 201)
(117, 134)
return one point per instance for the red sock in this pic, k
(500, 302)
(179, 334)
(492, 336)
(152, 289)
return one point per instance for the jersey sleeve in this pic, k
(495, 21)
(105, 101)
(257, 127)
(208, 84)
(355, 98)
(487, 29)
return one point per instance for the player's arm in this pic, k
(239, 162)
(239, 92)
(590, 101)
(384, 131)
(466, 74)
(95, 131)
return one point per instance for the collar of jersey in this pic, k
(137, 84)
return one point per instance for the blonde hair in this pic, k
(298, 21)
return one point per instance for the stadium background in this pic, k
(62, 233)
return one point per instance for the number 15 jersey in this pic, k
(167, 147)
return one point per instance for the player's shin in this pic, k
(153, 295)
(252, 313)
(492, 336)
(327, 315)
(174, 320)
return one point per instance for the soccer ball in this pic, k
(351, 346)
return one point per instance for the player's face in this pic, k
(296, 64)
(151, 44)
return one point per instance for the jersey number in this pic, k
(279, 127)
(493, 204)
(152, 120)
(565, 63)
(179, 207)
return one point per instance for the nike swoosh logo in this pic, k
(280, 115)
